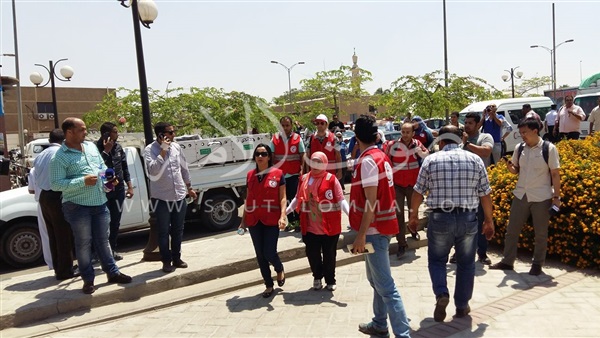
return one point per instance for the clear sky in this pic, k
(229, 44)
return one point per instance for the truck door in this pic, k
(134, 208)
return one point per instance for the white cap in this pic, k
(321, 117)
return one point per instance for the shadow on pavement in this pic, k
(310, 296)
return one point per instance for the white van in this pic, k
(512, 110)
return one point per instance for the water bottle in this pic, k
(241, 231)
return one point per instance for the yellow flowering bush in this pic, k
(574, 234)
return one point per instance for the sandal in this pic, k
(267, 293)
(281, 282)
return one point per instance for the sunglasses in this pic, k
(320, 123)
(261, 154)
(170, 132)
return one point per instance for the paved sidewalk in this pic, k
(29, 298)
(559, 303)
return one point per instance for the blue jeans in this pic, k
(445, 230)
(264, 239)
(90, 225)
(170, 216)
(115, 207)
(386, 298)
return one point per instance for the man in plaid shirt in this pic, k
(455, 181)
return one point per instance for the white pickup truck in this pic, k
(218, 168)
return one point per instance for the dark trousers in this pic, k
(321, 265)
(551, 137)
(60, 235)
(402, 194)
(115, 207)
(291, 187)
(265, 239)
(170, 216)
(574, 135)
(482, 242)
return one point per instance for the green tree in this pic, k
(533, 83)
(210, 111)
(427, 96)
(332, 84)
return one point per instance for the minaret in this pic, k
(355, 73)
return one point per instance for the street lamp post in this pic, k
(552, 63)
(289, 70)
(37, 78)
(146, 12)
(512, 73)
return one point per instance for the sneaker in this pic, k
(439, 314)
(501, 266)
(460, 313)
(401, 251)
(88, 288)
(120, 278)
(178, 263)
(317, 284)
(453, 259)
(536, 270)
(485, 260)
(117, 256)
(331, 287)
(370, 329)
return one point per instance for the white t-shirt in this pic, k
(595, 118)
(551, 118)
(369, 174)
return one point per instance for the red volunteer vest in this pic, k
(262, 202)
(286, 155)
(330, 210)
(405, 162)
(327, 147)
(385, 213)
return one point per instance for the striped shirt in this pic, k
(68, 168)
(168, 176)
(454, 178)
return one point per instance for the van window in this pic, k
(39, 148)
(587, 103)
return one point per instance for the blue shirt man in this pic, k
(74, 171)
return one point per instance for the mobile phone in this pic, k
(161, 136)
(106, 135)
(369, 249)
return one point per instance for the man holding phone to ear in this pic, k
(114, 157)
(169, 185)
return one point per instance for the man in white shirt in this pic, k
(569, 119)
(537, 190)
(595, 116)
(549, 122)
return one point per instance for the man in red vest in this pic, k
(373, 216)
(324, 140)
(288, 154)
(405, 154)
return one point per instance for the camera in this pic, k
(488, 109)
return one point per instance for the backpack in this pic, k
(545, 150)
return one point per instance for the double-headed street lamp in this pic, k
(37, 78)
(289, 70)
(512, 73)
(146, 12)
(552, 63)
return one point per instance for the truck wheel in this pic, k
(21, 245)
(220, 212)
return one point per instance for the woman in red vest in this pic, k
(320, 201)
(264, 214)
